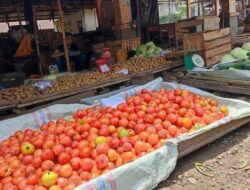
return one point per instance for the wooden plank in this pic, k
(213, 78)
(218, 42)
(217, 86)
(216, 34)
(194, 42)
(190, 145)
(218, 50)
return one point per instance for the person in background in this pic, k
(74, 55)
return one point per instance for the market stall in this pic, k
(71, 87)
(153, 166)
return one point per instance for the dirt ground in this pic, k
(225, 156)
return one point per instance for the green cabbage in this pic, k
(149, 44)
(157, 50)
(246, 46)
(151, 50)
(142, 48)
(227, 58)
(239, 53)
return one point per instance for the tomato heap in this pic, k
(67, 153)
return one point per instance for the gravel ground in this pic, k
(225, 156)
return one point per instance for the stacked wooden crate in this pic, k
(212, 45)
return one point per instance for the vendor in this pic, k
(74, 55)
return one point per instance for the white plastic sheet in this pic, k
(146, 172)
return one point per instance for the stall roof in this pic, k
(45, 9)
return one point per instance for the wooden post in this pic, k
(37, 40)
(99, 10)
(63, 35)
(217, 4)
(244, 8)
(188, 9)
(19, 20)
(138, 18)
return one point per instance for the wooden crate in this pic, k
(125, 45)
(212, 45)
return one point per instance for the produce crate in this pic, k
(125, 45)
(212, 45)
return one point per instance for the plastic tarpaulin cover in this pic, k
(146, 172)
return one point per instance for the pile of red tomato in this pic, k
(67, 153)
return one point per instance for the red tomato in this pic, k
(57, 149)
(153, 139)
(102, 149)
(140, 147)
(149, 119)
(66, 171)
(101, 161)
(64, 158)
(172, 130)
(162, 114)
(75, 163)
(32, 179)
(86, 164)
(140, 128)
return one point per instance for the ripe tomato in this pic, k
(66, 171)
(101, 161)
(47, 165)
(86, 164)
(85, 152)
(64, 158)
(172, 130)
(140, 128)
(102, 149)
(140, 147)
(62, 182)
(187, 123)
(47, 154)
(149, 118)
(32, 179)
(153, 139)
(128, 157)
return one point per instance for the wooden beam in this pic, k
(244, 7)
(188, 9)
(37, 41)
(19, 20)
(64, 36)
(99, 10)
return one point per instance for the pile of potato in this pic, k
(135, 65)
(63, 83)
(19, 93)
(80, 80)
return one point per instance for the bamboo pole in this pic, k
(37, 40)
(63, 35)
